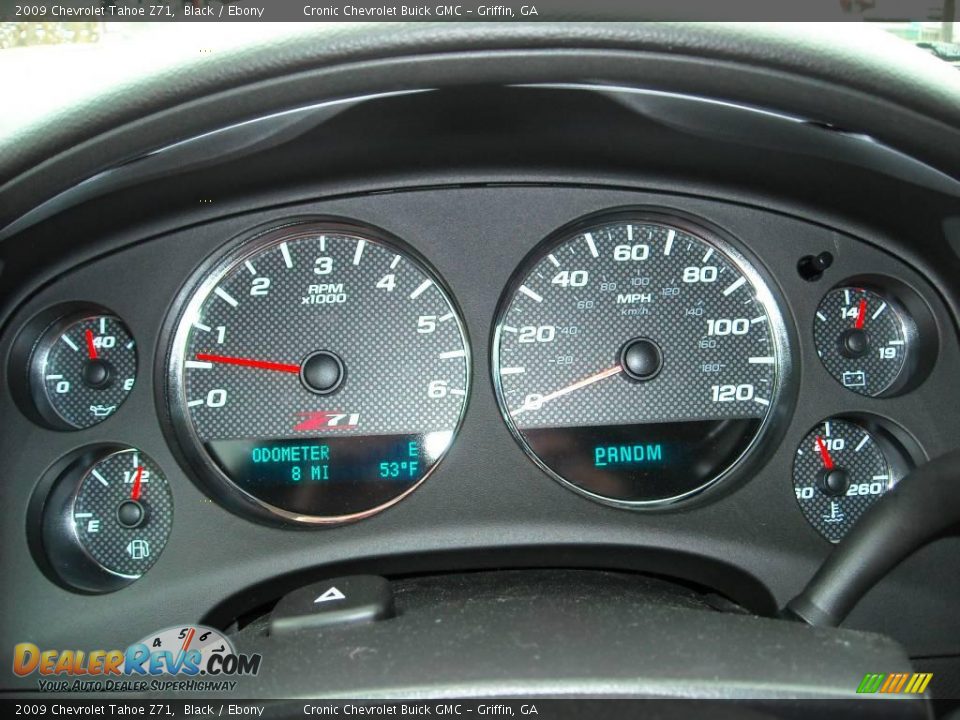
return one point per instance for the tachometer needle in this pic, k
(861, 314)
(91, 348)
(246, 362)
(187, 640)
(135, 492)
(824, 453)
(603, 374)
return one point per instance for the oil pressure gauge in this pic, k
(81, 369)
(107, 519)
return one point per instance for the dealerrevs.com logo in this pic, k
(183, 658)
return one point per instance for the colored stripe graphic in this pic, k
(918, 683)
(895, 683)
(871, 683)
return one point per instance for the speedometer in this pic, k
(639, 358)
(318, 373)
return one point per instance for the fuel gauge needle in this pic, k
(135, 493)
(578, 385)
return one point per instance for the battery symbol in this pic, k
(854, 379)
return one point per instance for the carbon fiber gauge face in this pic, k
(123, 512)
(839, 471)
(107, 519)
(318, 374)
(863, 339)
(638, 359)
(82, 370)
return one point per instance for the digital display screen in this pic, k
(645, 461)
(329, 476)
(636, 453)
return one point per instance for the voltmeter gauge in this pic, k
(841, 468)
(82, 369)
(864, 340)
(107, 519)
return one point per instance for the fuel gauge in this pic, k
(107, 519)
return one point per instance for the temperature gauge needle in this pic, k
(824, 453)
(247, 362)
(135, 493)
(91, 348)
(861, 314)
(580, 384)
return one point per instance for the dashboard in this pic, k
(473, 328)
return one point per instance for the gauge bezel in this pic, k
(900, 451)
(916, 323)
(38, 361)
(220, 263)
(783, 392)
(25, 375)
(68, 518)
(51, 530)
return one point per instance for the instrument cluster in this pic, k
(316, 370)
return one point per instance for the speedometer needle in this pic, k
(579, 384)
(247, 362)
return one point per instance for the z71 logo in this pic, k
(323, 420)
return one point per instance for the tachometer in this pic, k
(318, 373)
(638, 358)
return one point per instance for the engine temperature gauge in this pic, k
(840, 469)
(107, 519)
(863, 340)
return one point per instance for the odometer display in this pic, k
(638, 359)
(318, 373)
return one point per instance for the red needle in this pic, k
(861, 312)
(91, 348)
(187, 640)
(246, 362)
(824, 453)
(135, 493)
